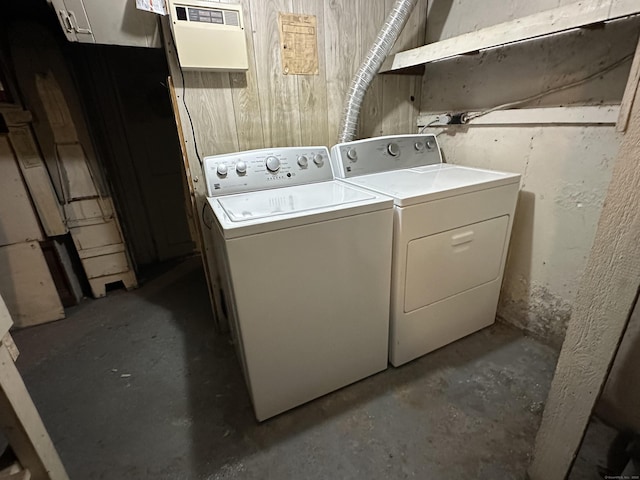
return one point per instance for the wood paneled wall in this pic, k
(263, 107)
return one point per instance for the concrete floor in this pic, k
(139, 386)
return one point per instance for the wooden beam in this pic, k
(629, 92)
(193, 172)
(21, 422)
(603, 305)
(549, 22)
(38, 181)
(580, 115)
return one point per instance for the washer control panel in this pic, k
(266, 168)
(380, 154)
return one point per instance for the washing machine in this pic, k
(451, 229)
(305, 267)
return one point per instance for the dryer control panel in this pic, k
(266, 168)
(381, 154)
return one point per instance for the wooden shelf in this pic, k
(549, 22)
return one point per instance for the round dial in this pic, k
(352, 154)
(419, 146)
(241, 167)
(302, 161)
(393, 149)
(431, 144)
(318, 159)
(273, 164)
(221, 169)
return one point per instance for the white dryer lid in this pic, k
(264, 210)
(421, 184)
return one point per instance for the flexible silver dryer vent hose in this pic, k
(387, 36)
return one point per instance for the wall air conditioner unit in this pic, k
(208, 35)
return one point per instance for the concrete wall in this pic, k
(448, 18)
(566, 169)
(620, 399)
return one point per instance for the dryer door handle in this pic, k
(461, 238)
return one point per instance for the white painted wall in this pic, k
(448, 18)
(566, 169)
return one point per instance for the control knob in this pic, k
(273, 164)
(241, 167)
(352, 154)
(222, 169)
(419, 146)
(318, 160)
(431, 144)
(302, 161)
(393, 149)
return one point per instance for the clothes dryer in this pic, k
(452, 226)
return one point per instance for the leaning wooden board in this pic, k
(20, 421)
(18, 221)
(27, 286)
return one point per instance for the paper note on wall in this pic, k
(155, 6)
(298, 44)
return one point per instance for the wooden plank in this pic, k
(18, 221)
(189, 197)
(371, 113)
(193, 172)
(105, 265)
(21, 475)
(588, 115)
(8, 342)
(26, 285)
(99, 251)
(77, 181)
(557, 20)
(67, 266)
(55, 106)
(16, 117)
(278, 93)
(14, 469)
(312, 89)
(5, 318)
(630, 92)
(343, 54)
(95, 210)
(603, 305)
(244, 91)
(98, 235)
(208, 96)
(99, 284)
(38, 182)
(23, 426)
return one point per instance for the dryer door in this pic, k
(451, 262)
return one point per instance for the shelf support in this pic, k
(557, 20)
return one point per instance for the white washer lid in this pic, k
(281, 201)
(264, 210)
(421, 184)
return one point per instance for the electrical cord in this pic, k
(468, 117)
(184, 102)
(428, 125)
(193, 132)
(204, 220)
